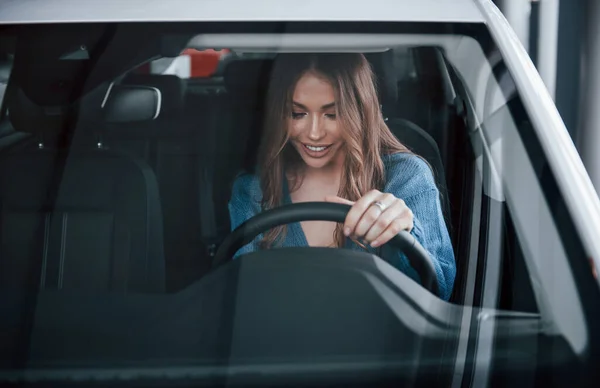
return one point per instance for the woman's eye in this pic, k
(297, 115)
(331, 116)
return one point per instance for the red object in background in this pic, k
(203, 63)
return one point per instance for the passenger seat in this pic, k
(78, 216)
(174, 144)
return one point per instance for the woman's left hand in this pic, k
(376, 217)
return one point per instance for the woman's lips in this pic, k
(316, 151)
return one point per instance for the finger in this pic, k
(397, 209)
(398, 225)
(336, 199)
(357, 211)
(372, 214)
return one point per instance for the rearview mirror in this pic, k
(131, 103)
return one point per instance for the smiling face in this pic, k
(313, 126)
(294, 135)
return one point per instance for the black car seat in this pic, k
(410, 134)
(429, 100)
(175, 146)
(75, 215)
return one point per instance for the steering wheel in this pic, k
(322, 211)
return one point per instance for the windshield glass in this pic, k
(128, 154)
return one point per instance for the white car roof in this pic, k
(73, 11)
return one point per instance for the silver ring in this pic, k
(380, 205)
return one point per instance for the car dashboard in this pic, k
(283, 316)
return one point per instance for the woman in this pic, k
(325, 140)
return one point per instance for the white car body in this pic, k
(572, 179)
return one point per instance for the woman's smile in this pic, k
(316, 151)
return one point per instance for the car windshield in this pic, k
(120, 146)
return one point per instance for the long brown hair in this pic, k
(366, 135)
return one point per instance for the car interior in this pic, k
(189, 154)
(181, 163)
(119, 184)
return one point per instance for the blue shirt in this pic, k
(408, 178)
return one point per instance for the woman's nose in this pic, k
(316, 130)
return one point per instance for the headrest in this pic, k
(386, 76)
(171, 87)
(248, 76)
(27, 116)
(132, 103)
(50, 121)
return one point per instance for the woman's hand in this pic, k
(376, 217)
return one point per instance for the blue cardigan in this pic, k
(409, 178)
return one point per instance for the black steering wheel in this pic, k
(322, 211)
